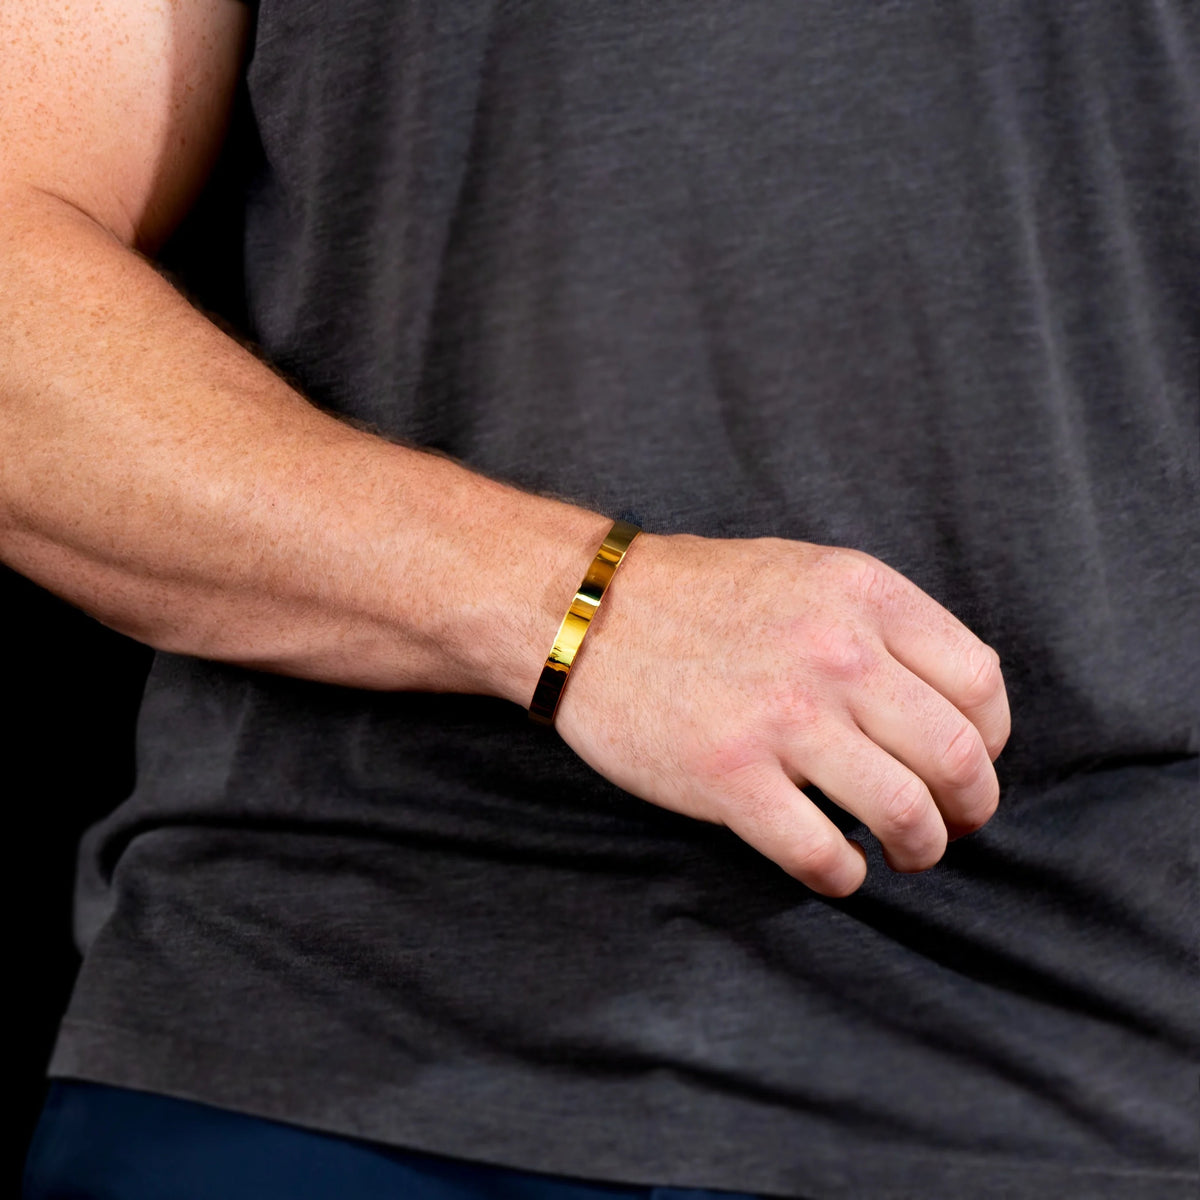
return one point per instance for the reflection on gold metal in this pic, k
(579, 616)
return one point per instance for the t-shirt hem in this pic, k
(447, 1114)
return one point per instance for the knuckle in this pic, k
(728, 763)
(984, 678)
(998, 739)
(962, 759)
(840, 652)
(818, 859)
(983, 812)
(904, 807)
(921, 860)
(870, 580)
(798, 710)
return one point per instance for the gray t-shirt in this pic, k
(919, 279)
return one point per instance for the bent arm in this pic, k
(156, 474)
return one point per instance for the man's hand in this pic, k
(723, 675)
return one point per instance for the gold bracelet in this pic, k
(575, 624)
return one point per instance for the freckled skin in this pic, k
(157, 474)
(110, 96)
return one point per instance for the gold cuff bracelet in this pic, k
(579, 616)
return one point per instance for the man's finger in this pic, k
(918, 726)
(767, 811)
(889, 798)
(938, 648)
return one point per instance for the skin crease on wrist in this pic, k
(158, 475)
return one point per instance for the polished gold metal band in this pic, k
(579, 616)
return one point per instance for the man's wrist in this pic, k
(522, 588)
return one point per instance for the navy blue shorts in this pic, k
(106, 1143)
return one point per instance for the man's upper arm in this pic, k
(117, 107)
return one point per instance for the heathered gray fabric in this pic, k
(919, 279)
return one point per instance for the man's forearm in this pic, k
(158, 475)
